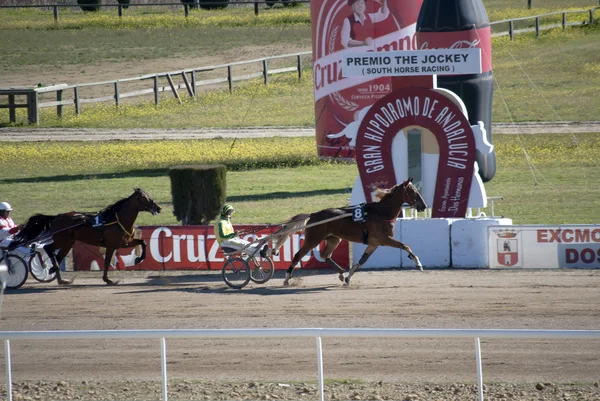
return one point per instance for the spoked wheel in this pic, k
(39, 267)
(261, 269)
(17, 272)
(236, 273)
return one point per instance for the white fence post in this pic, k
(320, 368)
(479, 370)
(8, 371)
(163, 363)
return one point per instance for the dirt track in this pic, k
(517, 299)
(100, 134)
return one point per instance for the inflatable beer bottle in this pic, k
(353, 25)
(463, 24)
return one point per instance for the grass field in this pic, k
(552, 78)
(559, 186)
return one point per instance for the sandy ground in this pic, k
(459, 299)
(97, 134)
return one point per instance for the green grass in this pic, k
(89, 176)
(553, 78)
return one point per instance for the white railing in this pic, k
(317, 333)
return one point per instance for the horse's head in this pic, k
(144, 202)
(411, 195)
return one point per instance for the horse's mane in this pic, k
(379, 194)
(117, 205)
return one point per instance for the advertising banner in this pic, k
(356, 25)
(195, 248)
(540, 247)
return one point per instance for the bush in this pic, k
(89, 5)
(198, 192)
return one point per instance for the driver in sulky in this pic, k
(227, 237)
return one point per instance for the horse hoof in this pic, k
(65, 282)
(420, 267)
(286, 283)
(347, 281)
(138, 261)
(341, 277)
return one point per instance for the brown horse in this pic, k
(376, 230)
(111, 228)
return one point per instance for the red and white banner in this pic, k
(195, 248)
(540, 247)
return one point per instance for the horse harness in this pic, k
(360, 215)
(100, 224)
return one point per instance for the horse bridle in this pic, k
(410, 193)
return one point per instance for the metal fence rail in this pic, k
(317, 333)
(189, 82)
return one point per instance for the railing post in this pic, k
(117, 100)
(479, 370)
(591, 11)
(537, 26)
(564, 21)
(12, 110)
(529, 4)
(120, 10)
(265, 72)
(156, 89)
(55, 13)
(256, 8)
(76, 100)
(299, 66)
(59, 107)
(163, 367)
(193, 74)
(186, 10)
(229, 79)
(511, 28)
(32, 108)
(320, 368)
(8, 370)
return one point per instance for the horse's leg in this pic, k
(107, 259)
(308, 245)
(50, 250)
(141, 243)
(64, 251)
(331, 244)
(363, 259)
(389, 241)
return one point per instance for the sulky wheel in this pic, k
(261, 269)
(17, 271)
(39, 267)
(236, 273)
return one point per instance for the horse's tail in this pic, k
(296, 223)
(289, 227)
(33, 228)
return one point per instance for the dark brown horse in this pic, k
(111, 228)
(376, 230)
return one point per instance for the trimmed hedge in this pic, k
(198, 192)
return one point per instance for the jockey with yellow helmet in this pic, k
(227, 237)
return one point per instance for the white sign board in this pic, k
(414, 62)
(540, 247)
